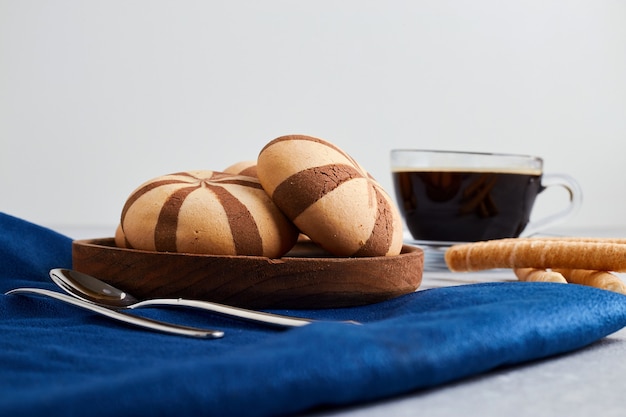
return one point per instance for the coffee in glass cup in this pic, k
(447, 196)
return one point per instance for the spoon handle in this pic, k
(242, 313)
(127, 318)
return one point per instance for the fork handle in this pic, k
(123, 317)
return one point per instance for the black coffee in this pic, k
(466, 206)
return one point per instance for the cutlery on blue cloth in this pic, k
(93, 290)
(123, 317)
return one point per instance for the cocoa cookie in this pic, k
(330, 197)
(205, 212)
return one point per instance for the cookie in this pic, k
(206, 212)
(330, 197)
(247, 168)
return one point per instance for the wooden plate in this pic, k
(305, 278)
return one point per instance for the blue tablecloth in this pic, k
(60, 360)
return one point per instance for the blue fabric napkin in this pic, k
(60, 360)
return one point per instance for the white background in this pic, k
(98, 96)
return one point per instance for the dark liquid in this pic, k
(465, 206)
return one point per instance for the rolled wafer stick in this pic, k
(615, 240)
(539, 275)
(599, 279)
(542, 253)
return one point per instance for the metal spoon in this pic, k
(126, 318)
(91, 289)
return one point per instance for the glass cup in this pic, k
(447, 196)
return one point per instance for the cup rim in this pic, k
(436, 160)
(469, 153)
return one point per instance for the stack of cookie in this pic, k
(299, 186)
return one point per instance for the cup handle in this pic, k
(575, 202)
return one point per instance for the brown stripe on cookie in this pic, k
(382, 233)
(246, 235)
(167, 224)
(185, 174)
(299, 191)
(305, 138)
(316, 140)
(141, 191)
(297, 137)
(236, 180)
(249, 172)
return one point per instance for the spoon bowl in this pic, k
(93, 290)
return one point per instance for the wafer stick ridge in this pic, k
(598, 279)
(539, 275)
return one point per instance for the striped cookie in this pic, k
(330, 197)
(120, 239)
(206, 212)
(247, 168)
